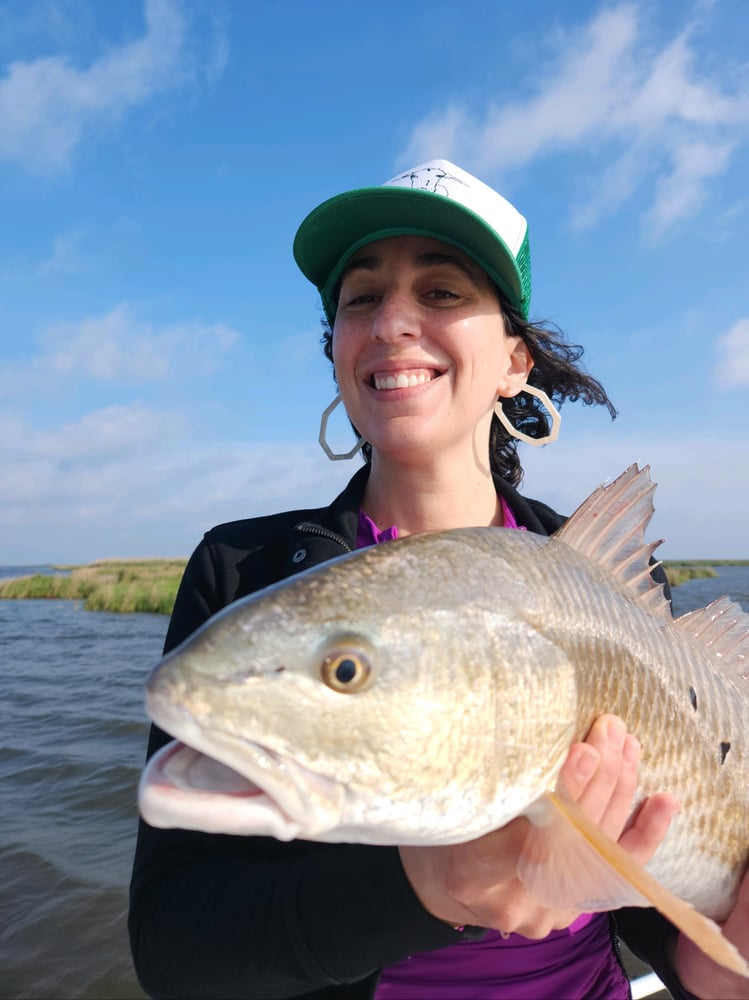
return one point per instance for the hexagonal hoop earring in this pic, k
(332, 455)
(556, 418)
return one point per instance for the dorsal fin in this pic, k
(609, 528)
(723, 626)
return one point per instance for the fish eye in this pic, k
(346, 670)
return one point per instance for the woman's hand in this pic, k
(699, 974)
(475, 883)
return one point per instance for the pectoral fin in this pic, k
(569, 863)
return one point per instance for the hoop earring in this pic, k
(556, 418)
(332, 455)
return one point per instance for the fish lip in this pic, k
(284, 782)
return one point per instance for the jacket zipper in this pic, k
(617, 949)
(307, 528)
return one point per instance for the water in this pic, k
(731, 580)
(73, 735)
(73, 739)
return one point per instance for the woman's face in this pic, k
(420, 349)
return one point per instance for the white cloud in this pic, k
(46, 105)
(732, 367)
(135, 480)
(577, 100)
(610, 95)
(117, 347)
(49, 468)
(682, 192)
(106, 435)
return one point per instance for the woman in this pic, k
(426, 287)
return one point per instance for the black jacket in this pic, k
(221, 916)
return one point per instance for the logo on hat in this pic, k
(426, 178)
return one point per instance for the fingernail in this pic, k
(615, 732)
(631, 749)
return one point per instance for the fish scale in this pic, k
(625, 671)
(651, 692)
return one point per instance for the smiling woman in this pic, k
(426, 287)
(421, 356)
(488, 243)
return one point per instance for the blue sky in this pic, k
(160, 368)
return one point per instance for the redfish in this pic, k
(426, 691)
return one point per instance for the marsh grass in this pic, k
(108, 585)
(129, 585)
(680, 572)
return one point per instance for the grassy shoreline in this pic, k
(150, 585)
(120, 585)
(679, 571)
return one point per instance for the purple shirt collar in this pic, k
(368, 533)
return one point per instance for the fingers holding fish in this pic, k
(601, 776)
(607, 794)
(649, 826)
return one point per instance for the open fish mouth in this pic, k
(182, 767)
(234, 786)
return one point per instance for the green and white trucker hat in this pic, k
(436, 199)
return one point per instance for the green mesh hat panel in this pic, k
(523, 261)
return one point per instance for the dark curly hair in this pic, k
(555, 370)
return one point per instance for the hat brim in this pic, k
(335, 230)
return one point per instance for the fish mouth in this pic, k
(217, 783)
